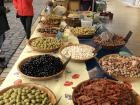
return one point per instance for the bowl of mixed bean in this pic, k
(125, 68)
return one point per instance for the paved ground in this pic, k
(16, 34)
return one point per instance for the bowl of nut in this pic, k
(78, 52)
(52, 20)
(83, 32)
(73, 20)
(104, 92)
(124, 68)
(45, 44)
(27, 94)
(109, 41)
(41, 67)
(48, 31)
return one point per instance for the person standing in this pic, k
(25, 13)
(4, 26)
(86, 5)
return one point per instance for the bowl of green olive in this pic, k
(27, 94)
(45, 44)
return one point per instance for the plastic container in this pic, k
(86, 23)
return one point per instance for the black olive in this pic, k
(42, 66)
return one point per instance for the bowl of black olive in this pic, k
(41, 67)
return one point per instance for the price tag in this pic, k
(59, 35)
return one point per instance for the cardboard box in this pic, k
(74, 5)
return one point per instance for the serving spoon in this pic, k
(67, 61)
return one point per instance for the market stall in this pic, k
(78, 47)
(57, 85)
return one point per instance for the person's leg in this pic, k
(28, 26)
(23, 21)
(2, 38)
(86, 5)
(1, 41)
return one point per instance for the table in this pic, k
(56, 84)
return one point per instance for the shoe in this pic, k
(2, 66)
(110, 15)
(2, 58)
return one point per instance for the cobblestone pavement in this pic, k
(16, 34)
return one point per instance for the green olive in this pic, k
(24, 96)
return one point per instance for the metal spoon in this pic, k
(65, 64)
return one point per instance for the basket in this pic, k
(42, 49)
(45, 23)
(50, 34)
(37, 78)
(85, 36)
(53, 19)
(47, 35)
(110, 47)
(43, 88)
(77, 60)
(73, 22)
(137, 97)
(120, 77)
(86, 23)
(90, 35)
(113, 47)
